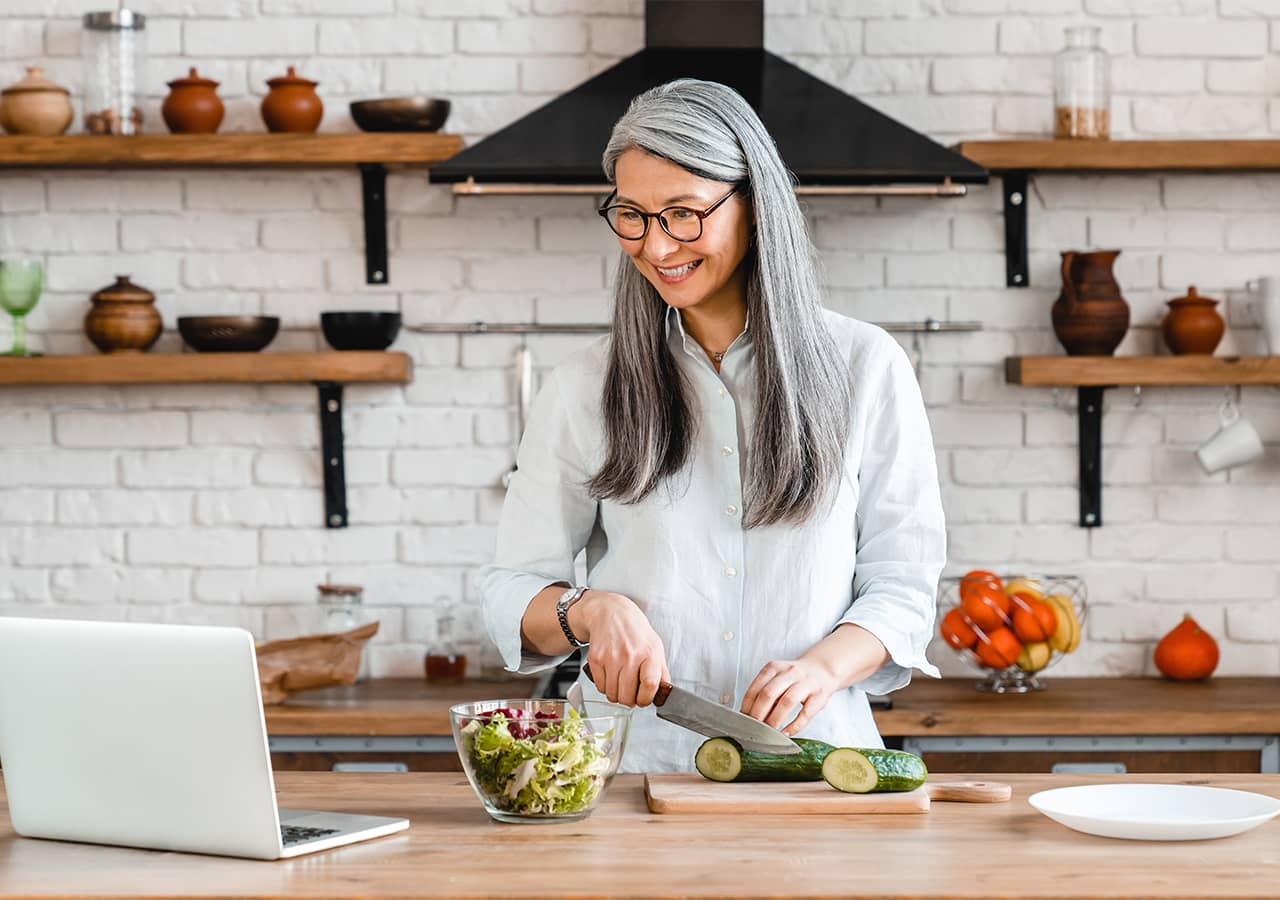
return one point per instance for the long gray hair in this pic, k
(796, 453)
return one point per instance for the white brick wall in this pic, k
(202, 503)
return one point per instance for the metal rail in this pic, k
(927, 326)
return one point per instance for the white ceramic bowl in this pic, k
(1156, 812)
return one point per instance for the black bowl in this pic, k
(360, 330)
(400, 114)
(228, 334)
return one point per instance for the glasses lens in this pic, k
(682, 223)
(625, 221)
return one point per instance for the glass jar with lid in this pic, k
(1082, 86)
(445, 661)
(342, 609)
(112, 52)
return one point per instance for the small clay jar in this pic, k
(193, 105)
(35, 105)
(124, 318)
(1192, 325)
(292, 104)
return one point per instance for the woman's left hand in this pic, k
(784, 685)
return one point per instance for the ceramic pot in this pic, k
(193, 105)
(35, 105)
(1090, 316)
(1192, 325)
(124, 318)
(292, 104)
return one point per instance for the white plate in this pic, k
(1156, 812)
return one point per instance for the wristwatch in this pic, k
(567, 599)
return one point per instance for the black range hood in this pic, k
(833, 142)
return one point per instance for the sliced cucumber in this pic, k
(873, 771)
(723, 759)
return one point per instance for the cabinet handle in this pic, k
(1089, 768)
(370, 767)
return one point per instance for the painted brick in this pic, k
(1120, 505)
(204, 547)
(1145, 622)
(184, 468)
(1192, 116)
(254, 271)
(120, 429)
(259, 507)
(1004, 467)
(124, 507)
(25, 428)
(265, 429)
(56, 468)
(259, 37)
(250, 193)
(1139, 75)
(22, 194)
(788, 36)
(472, 467)
(26, 507)
(1182, 37)
(453, 75)
(346, 272)
(356, 544)
(1044, 35)
(1212, 584)
(1156, 541)
(1148, 7)
(932, 37)
(357, 36)
(523, 36)
(523, 272)
(448, 546)
(992, 75)
(1251, 544)
(24, 586)
(259, 586)
(1253, 622)
(616, 36)
(52, 546)
(51, 233)
(965, 506)
(441, 233)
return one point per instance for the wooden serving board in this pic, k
(690, 793)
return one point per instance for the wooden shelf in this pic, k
(295, 151)
(1106, 371)
(1124, 156)
(206, 368)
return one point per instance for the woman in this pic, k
(752, 477)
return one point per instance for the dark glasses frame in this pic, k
(702, 214)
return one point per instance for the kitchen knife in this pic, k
(688, 710)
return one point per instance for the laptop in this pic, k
(148, 736)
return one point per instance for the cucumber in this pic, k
(873, 771)
(723, 759)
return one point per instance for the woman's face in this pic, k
(651, 184)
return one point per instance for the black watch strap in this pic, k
(567, 599)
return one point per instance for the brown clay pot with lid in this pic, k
(1192, 325)
(193, 105)
(35, 105)
(292, 104)
(1090, 316)
(124, 318)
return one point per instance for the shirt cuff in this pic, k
(904, 655)
(504, 611)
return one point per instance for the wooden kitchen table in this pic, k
(453, 849)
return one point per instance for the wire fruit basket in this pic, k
(1012, 627)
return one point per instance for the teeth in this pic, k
(682, 270)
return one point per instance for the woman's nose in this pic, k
(657, 243)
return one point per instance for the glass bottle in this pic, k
(111, 50)
(342, 609)
(445, 663)
(1082, 86)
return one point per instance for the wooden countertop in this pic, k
(453, 849)
(952, 706)
(387, 706)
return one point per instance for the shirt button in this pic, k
(730, 510)
(726, 699)
(730, 571)
(727, 451)
(728, 635)
(722, 392)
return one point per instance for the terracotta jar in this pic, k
(293, 104)
(193, 105)
(35, 105)
(124, 318)
(1192, 325)
(1090, 316)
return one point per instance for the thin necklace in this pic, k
(718, 357)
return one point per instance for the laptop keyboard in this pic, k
(297, 834)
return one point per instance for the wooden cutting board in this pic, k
(690, 793)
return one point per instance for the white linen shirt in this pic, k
(723, 599)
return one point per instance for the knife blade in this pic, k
(688, 710)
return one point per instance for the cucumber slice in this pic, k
(873, 771)
(723, 759)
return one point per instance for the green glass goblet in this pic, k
(21, 281)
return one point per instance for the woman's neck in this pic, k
(716, 322)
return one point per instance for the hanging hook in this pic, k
(917, 353)
(1137, 396)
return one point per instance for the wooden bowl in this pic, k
(400, 114)
(228, 334)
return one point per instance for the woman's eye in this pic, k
(680, 214)
(629, 216)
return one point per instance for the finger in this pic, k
(597, 672)
(783, 710)
(769, 695)
(628, 682)
(753, 689)
(611, 682)
(650, 674)
(811, 707)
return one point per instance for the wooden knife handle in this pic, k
(969, 791)
(664, 688)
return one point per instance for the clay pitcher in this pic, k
(1090, 316)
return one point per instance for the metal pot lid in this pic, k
(35, 83)
(115, 20)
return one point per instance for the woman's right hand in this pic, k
(626, 655)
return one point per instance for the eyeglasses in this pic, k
(682, 223)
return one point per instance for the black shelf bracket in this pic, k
(1016, 271)
(373, 181)
(332, 459)
(1090, 415)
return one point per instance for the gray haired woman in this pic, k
(752, 477)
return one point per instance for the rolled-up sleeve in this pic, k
(546, 519)
(902, 541)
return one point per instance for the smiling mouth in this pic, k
(679, 273)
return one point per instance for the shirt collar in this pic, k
(678, 331)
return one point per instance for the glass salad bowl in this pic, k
(1012, 627)
(538, 760)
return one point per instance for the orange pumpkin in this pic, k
(1187, 653)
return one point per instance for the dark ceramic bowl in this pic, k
(360, 330)
(400, 114)
(228, 334)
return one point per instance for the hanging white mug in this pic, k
(1266, 306)
(1236, 442)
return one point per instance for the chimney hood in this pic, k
(834, 143)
